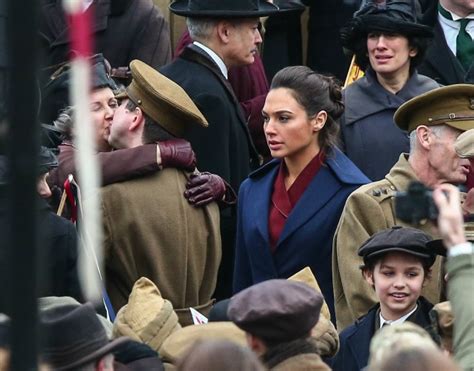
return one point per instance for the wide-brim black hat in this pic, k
(397, 17)
(289, 6)
(223, 8)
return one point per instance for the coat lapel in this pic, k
(321, 189)
(442, 59)
(359, 341)
(261, 205)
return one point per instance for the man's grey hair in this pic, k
(200, 29)
(437, 131)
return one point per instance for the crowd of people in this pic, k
(248, 225)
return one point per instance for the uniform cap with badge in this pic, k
(164, 101)
(451, 105)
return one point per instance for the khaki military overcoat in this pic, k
(151, 230)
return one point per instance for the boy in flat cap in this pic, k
(225, 34)
(278, 316)
(150, 229)
(397, 264)
(434, 120)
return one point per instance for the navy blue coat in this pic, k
(306, 239)
(354, 341)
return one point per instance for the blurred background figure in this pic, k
(122, 30)
(324, 48)
(407, 347)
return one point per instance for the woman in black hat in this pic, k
(388, 44)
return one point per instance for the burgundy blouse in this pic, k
(283, 200)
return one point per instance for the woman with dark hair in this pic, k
(289, 208)
(388, 44)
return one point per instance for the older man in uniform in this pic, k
(150, 229)
(434, 121)
(225, 35)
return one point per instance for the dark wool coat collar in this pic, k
(376, 99)
(55, 29)
(195, 54)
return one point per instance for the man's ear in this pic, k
(224, 30)
(138, 119)
(423, 136)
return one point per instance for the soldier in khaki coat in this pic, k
(434, 121)
(150, 228)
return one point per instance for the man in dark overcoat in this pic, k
(450, 56)
(225, 35)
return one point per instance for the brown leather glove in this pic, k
(177, 153)
(203, 188)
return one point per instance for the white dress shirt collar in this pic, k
(215, 58)
(397, 321)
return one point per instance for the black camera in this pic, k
(416, 205)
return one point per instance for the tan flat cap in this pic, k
(452, 105)
(162, 99)
(464, 144)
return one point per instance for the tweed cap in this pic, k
(276, 310)
(147, 317)
(405, 239)
(452, 105)
(162, 99)
(464, 144)
(223, 8)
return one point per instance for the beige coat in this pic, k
(302, 362)
(151, 230)
(368, 210)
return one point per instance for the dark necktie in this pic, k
(464, 45)
(464, 42)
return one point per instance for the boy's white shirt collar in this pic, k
(397, 321)
(215, 58)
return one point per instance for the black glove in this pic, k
(177, 153)
(204, 188)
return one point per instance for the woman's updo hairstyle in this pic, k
(314, 92)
